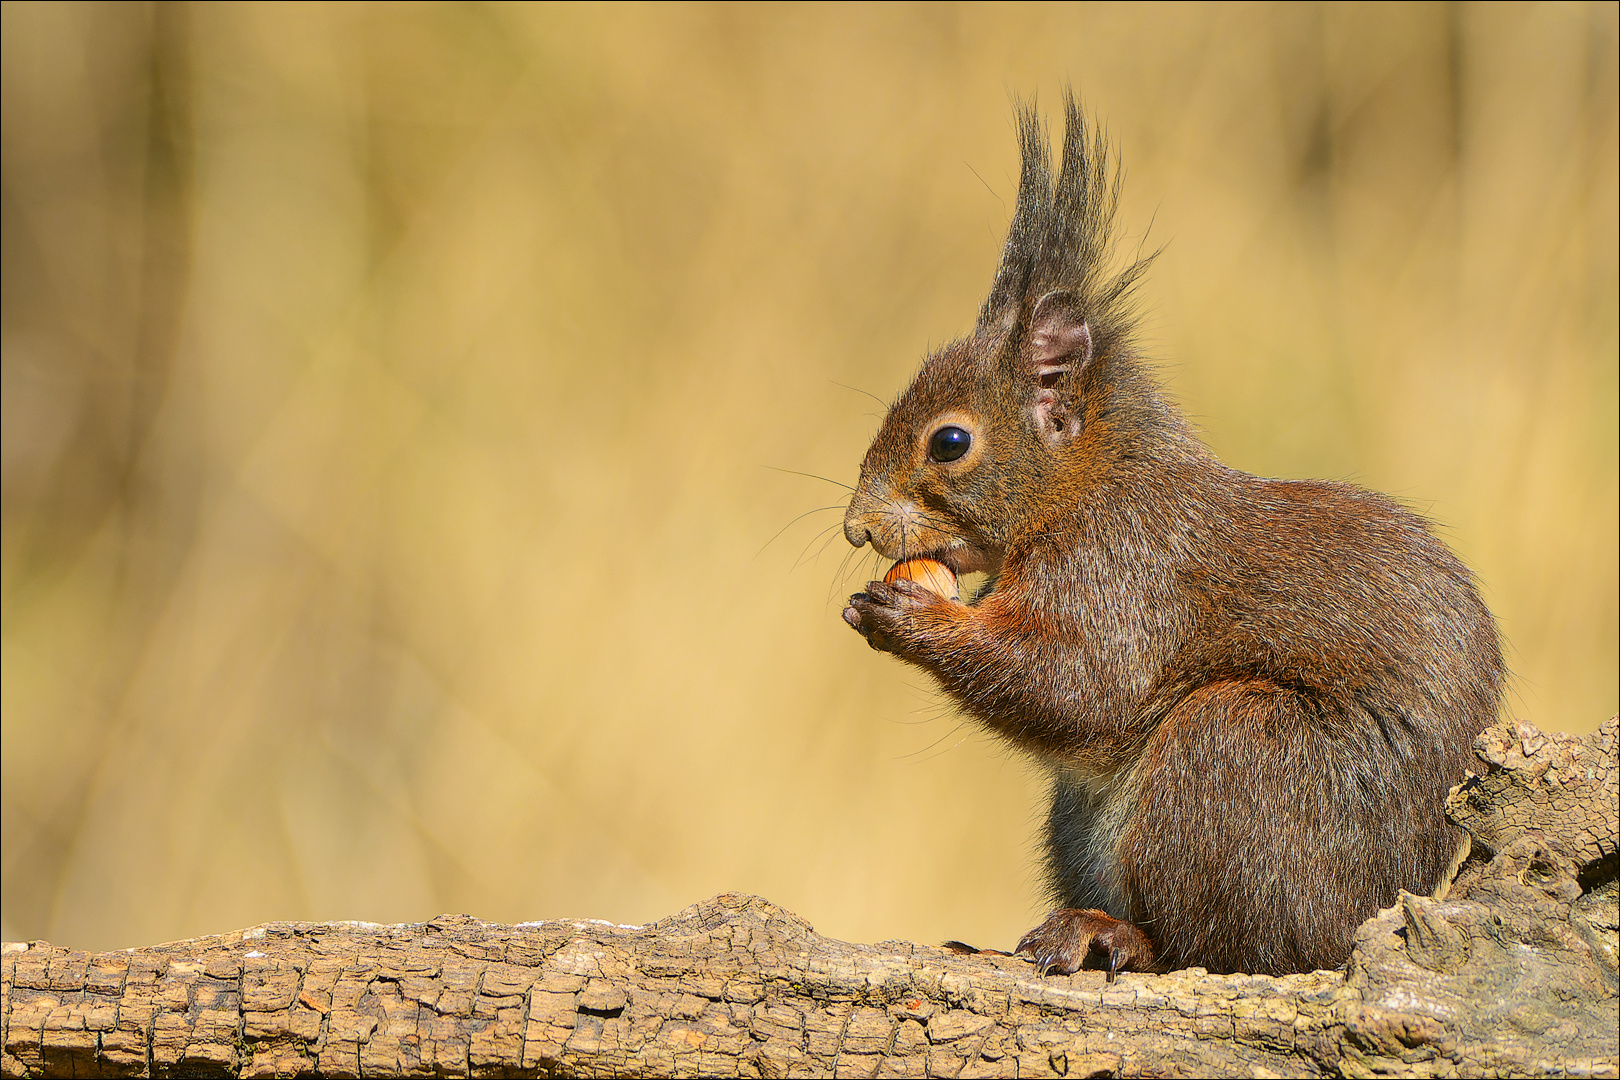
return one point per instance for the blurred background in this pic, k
(394, 398)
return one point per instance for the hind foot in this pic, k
(1068, 937)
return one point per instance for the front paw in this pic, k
(1069, 936)
(887, 614)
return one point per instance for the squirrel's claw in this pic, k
(859, 616)
(852, 614)
(883, 613)
(1068, 937)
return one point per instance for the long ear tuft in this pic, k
(1030, 223)
(1061, 236)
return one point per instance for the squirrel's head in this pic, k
(1004, 430)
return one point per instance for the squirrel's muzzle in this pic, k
(858, 523)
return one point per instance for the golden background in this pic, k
(392, 397)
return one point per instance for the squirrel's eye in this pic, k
(949, 443)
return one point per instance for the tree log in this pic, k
(1512, 972)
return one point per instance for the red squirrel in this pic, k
(1252, 695)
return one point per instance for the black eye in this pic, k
(949, 443)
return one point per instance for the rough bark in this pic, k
(1512, 973)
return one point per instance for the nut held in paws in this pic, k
(931, 574)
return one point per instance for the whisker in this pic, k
(987, 186)
(845, 571)
(918, 760)
(841, 578)
(822, 550)
(830, 536)
(811, 475)
(929, 713)
(858, 390)
(789, 525)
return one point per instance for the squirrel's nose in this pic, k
(856, 533)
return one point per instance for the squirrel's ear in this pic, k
(1059, 339)
(1057, 348)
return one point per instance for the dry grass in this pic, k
(390, 394)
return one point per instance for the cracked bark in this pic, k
(1511, 972)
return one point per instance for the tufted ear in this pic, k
(1057, 349)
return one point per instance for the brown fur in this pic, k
(1252, 694)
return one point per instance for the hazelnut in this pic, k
(931, 574)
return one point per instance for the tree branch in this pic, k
(1513, 972)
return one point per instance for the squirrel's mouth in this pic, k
(965, 558)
